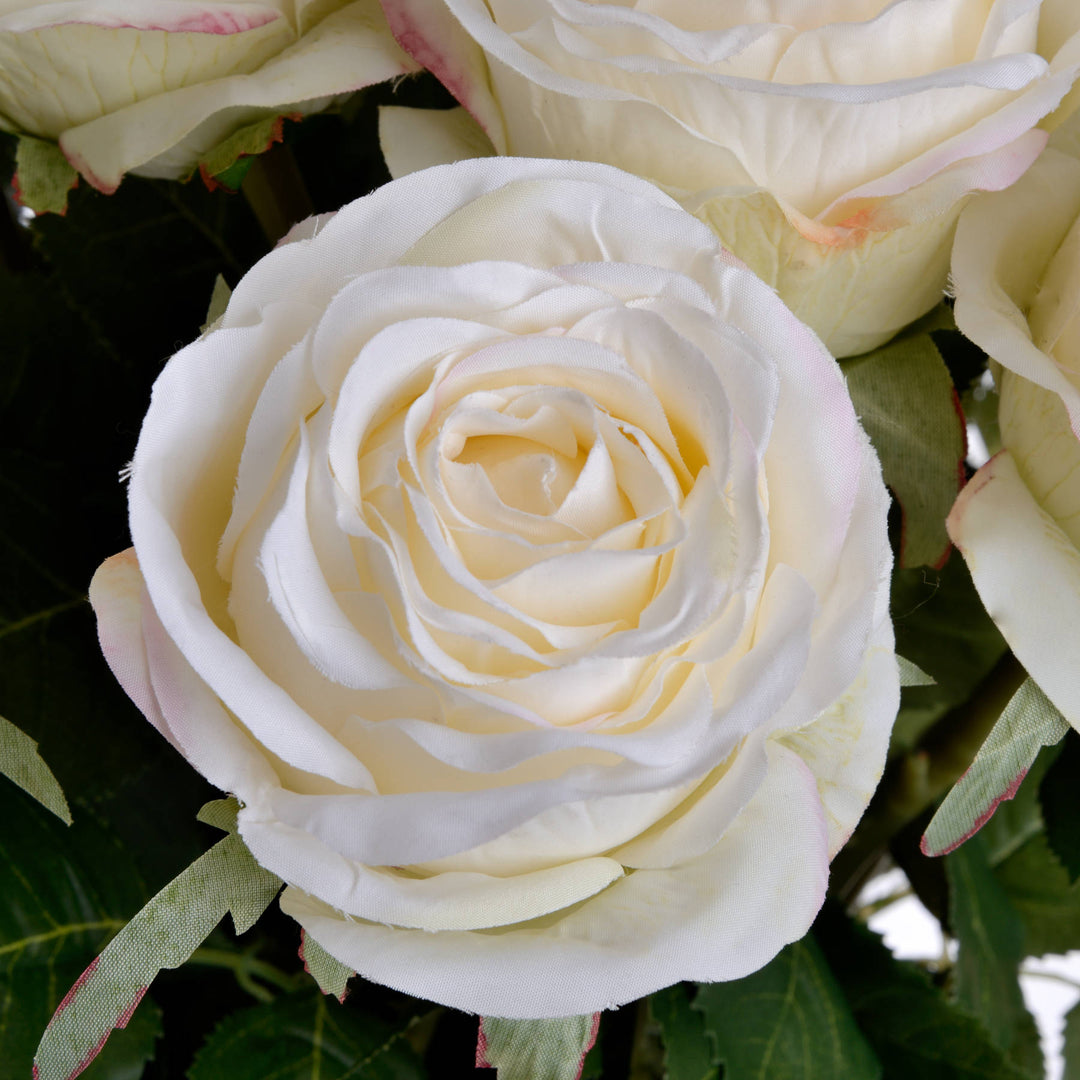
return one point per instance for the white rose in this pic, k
(150, 86)
(518, 560)
(830, 144)
(1016, 270)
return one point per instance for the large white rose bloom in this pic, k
(829, 143)
(151, 86)
(518, 560)
(1017, 277)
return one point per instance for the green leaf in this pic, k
(1057, 797)
(21, 763)
(228, 162)
(536, 1049)
(913, 675)
(1039, 888)
(990, 935)
(125, 1058)
(331, 975)
(689, 1052)
(905, 398)
(43, 176)
(63, 893)
(914, 1030)
(788, 1021)
(942, 626)
(219, 301)
(306, 1037)
(162, 935)
(1072, 1044)
(1030, 721)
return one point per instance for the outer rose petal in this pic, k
(720, 916)
(838, 182)
(1004, 243)
(153, 85)
(162, 684)
(1027, 572)
(165, 135)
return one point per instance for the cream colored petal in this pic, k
(414, 139)
(1027, 572)
(1004, 244)
(717, 917)
(350, 49)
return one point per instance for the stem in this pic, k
(868, 910)
(246, 968)
(14, 244)
(1052, 976)
(276, 193)
(916, 780)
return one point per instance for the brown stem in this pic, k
(916, 780)
(276, 192)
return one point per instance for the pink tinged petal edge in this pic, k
(980, 821)
(182, 20)
(1027, 573)
(417, 31)
(116, 595)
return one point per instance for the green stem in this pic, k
(915, 781)
(1052, 976)
(276, 192)
(246, 968)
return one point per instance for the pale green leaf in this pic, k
(163, 935)
(990, 935)
(330, 974)
(913, 675)
(788, 1021)
(689, 1051)
(307, 1037)
(43, 176)
(536, 1049)
(904, 395)
(21, 763)
(1029, 722)
(219, 301)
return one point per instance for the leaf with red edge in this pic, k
(536, 1049)
(907, 403)
(1030, 721)
(163, 935)
(43, 176)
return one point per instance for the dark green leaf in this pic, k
(914, 1030)
(1039, 888)
(306, 1037)
(788, 1021)
(689, 1053)
(905, 398)
(1060, 809)
(942, 626)
(990, 935)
